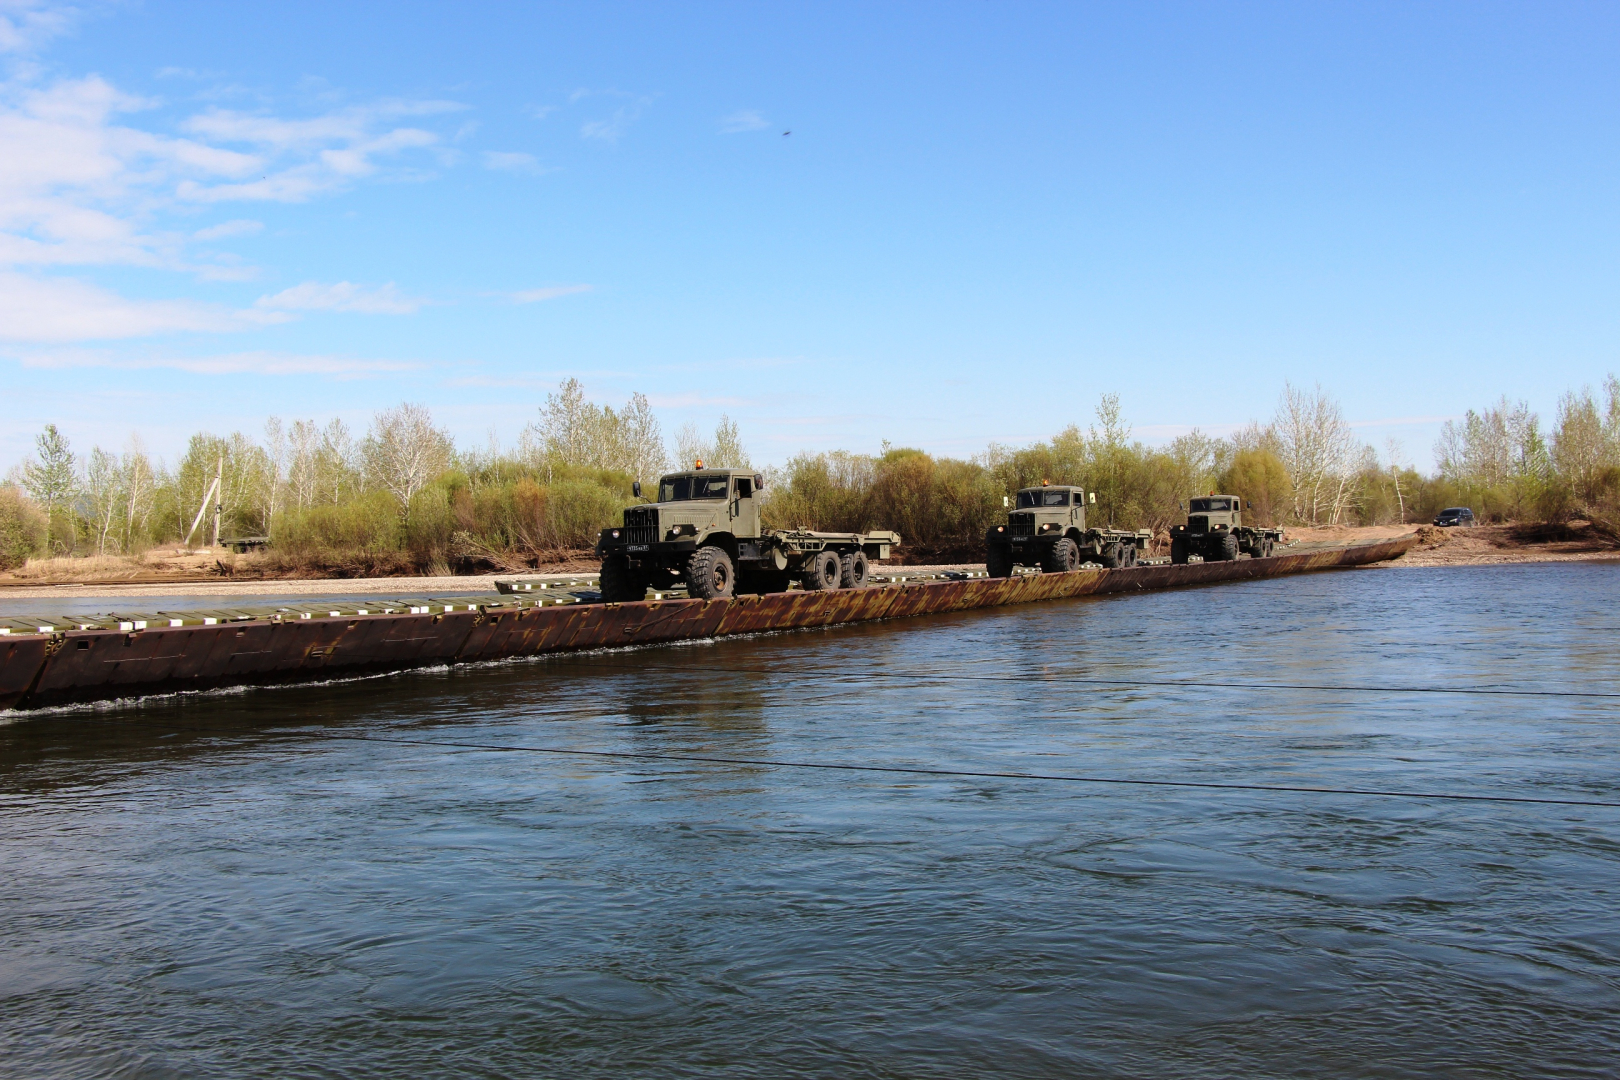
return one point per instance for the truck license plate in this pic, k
(636, 547)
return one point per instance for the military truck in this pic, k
(1215, 532)
(1047, 528)
(704, 531)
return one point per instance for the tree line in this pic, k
(402, 497)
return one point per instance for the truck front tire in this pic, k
(709, 574)
(998, 561)
(1062, 557)
(1178, 550)
(1224, 549)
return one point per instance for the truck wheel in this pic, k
(853, 570)
(620, 584)
(1178, 550)
(1062, 557)
(821, 571)
(998, 561)
(1111, 556)
(1226, 548)
(1129, 551)
(1262, 549)
(709, 575)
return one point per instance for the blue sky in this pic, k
(985, 215)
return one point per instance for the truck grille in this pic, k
(1021, 524)
(641, 525)
(1198, 524)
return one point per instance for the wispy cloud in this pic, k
(1402, 421)
(64, 310)
(745, 120)
(504, 161)
(240, 363)
(342, 296)
(79, 186)
(550, 292)
(226, 229)
(611, 128)
(25, 25)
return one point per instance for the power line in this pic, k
(650, 755)
(917, 770)
(1211, 684)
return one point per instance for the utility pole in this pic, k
(219, 478)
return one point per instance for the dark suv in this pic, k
(1455, 515)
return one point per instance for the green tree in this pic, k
(52, 481)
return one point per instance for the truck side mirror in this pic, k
(759, 481)
(1249, 505)
(635, 488)
(1005, 502)
(1093, 498)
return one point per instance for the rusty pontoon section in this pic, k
(40, 669)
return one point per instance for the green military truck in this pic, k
(1215, 532)
(704, 532)
(1047, 528)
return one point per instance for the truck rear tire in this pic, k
(853, 570)
(709, 574)
(1129, 551)
(998, 561)
(1111, 557)
(821, 571)
(1178, 551)
(1062, 557)
(620, 584)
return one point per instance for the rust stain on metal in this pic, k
(92, 665)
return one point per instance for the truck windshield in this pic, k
(1034, 497)
(682, 488)
(1209, 506)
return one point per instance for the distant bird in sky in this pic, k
(785, 134)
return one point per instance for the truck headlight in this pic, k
(614, 534)
(1001, 528)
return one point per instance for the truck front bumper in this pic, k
(659, 550)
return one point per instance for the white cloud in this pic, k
(745, 120)
(63, 309)
(513, 162)
(79, 186)
(551, 292)
(613, 127)
(241, 363)
(343, 296)
(27, 24)
(227, 229)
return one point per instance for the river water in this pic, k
(391, 877)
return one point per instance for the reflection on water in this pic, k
(256, 885)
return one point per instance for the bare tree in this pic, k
(404, 451)
(103, 496)
(1320, 452)
(729, 452)
(573, 431)
(303, 462)
(139, 485)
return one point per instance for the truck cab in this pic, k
(714, 506)
(1215, 531)
(1046, 527)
